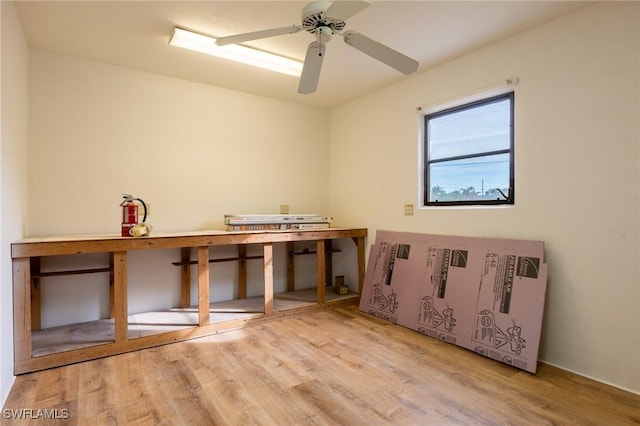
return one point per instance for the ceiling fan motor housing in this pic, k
(313, 18)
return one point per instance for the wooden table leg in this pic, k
(120, 311)
(242, 271)
(322, 272)
(185, 277)
(268, 278)
(361, 264)
(291, 267)
(328, 263)
(22, 309)
(203, 285)
(112, 306)
(36, 300)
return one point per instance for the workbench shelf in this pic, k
(38, 349)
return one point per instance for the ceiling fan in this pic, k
(323, 19)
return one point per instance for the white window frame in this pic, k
(503, 88)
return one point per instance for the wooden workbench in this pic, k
(27, 252)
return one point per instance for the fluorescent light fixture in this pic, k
(235, 52)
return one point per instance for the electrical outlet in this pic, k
(408, 209)
(284, 208)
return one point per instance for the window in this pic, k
(469, 153)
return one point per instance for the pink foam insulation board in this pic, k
(483, 294)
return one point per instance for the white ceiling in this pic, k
(135, 34)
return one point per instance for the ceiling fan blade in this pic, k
(343, 10)
(379, 51)
(311, 69)
(241, 38)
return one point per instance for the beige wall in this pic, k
(194, 152)
(13, 172)
(577, 182)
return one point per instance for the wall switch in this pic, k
(284, 208)
(408, 209)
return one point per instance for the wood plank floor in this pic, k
(333, 367)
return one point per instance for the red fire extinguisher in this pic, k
(130, 213)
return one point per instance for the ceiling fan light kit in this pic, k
(323, 19)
